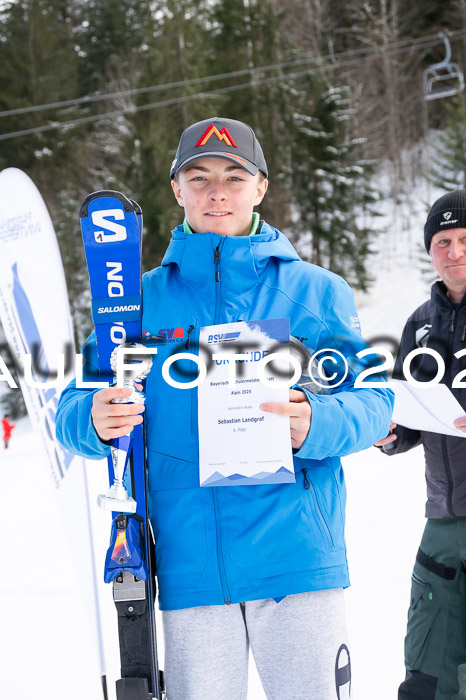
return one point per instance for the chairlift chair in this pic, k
(443, 79)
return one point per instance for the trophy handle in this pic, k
(117, 497)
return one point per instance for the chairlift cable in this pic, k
(425, 42)
(218, 91)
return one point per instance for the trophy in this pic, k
(117, 498)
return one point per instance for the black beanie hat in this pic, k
(447, 212)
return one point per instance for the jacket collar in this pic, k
(440, 298)
(242, 258)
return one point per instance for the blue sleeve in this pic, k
(349, 419)
(407, 438)
(74, 427)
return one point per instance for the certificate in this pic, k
(432, 408)
(238, 443)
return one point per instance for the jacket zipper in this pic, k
(190, 329)
(309, 486)
(193, 391)
(217, 281)
(452, 321)
(446, 461)
(217, 262)
(221, 561)
(446, 458)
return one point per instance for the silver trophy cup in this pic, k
(117, 497)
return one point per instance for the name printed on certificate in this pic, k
(238, 443)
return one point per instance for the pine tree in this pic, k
(112, 38)
(449, 163)
(180, 51)
(38, 65)
(331, 194)
(247, 36)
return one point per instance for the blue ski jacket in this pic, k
(236, 543)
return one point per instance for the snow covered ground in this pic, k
(46, 649)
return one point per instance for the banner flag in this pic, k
(35, 314)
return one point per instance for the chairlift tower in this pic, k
(444, 79)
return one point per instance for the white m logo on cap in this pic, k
(447, 215)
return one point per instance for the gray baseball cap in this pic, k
(220, 138)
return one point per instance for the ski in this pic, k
(111, 226)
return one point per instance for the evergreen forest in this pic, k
(95, 94)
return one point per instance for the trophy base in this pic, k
(122, 505)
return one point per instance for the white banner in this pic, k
(35, 315)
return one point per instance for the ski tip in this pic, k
(137, 208)
(128, 204)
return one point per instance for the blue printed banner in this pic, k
(35, 315)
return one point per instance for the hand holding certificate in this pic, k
(239, 444)
(298, 409)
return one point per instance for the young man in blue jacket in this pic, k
(260, 566)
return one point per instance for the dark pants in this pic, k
(435, 645)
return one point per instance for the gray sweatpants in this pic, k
(299, 646)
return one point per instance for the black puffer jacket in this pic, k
(437, 325)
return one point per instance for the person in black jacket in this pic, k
(435, 645)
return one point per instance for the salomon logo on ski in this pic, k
(99, 218)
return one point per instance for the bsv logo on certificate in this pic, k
(238, 443)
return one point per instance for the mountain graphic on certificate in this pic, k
(281, 476)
